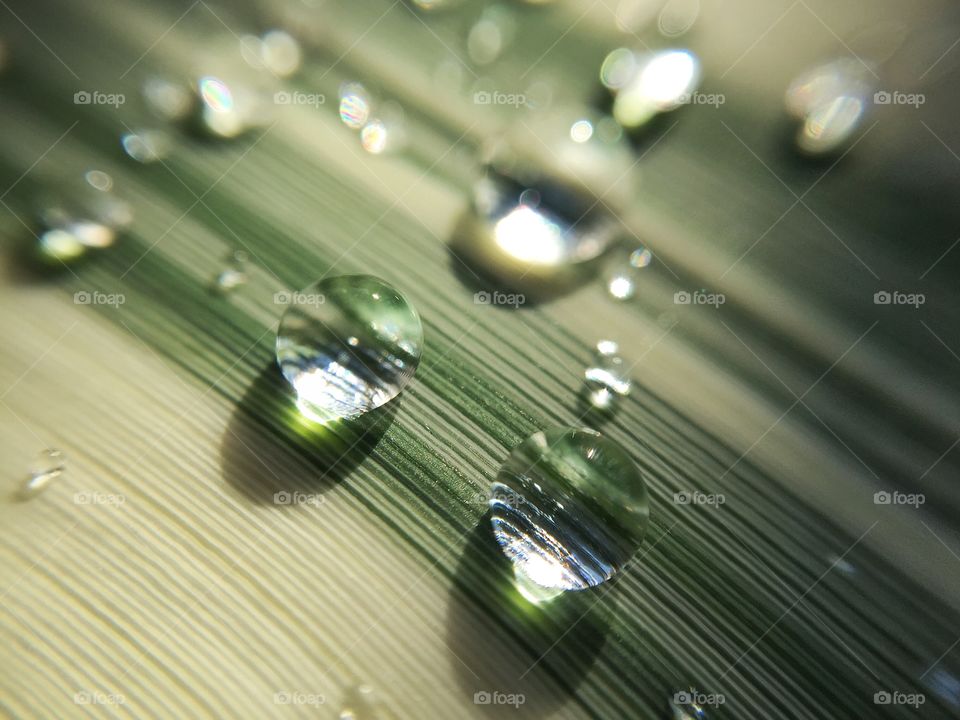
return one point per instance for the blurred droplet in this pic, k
(844, 77)
(618, 68)
(373, 137)
(622, 284)
(234, 275)
(677, 17)
(99, 180)
(167, 99)
(661, 81)
(362, 702)
(831, 126)
(490, 35)
(281, 53)
(355, 105)
(606, 378)
(146, 146)
(581, 131)
(47, 467)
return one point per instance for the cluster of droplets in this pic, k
(381, 131)
(83, 216)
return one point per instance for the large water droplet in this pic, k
(347, 345)
(568, 508)
(47, 467)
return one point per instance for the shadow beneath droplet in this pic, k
(269, 447)
(505, 644)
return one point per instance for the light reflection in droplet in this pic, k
(830, 126)
(48, 466)
(373, 137)
(662, 82)
(530, 236)
(215, 94)
(354, 105)
(146, 146)
(581, 131)
(99, 179)
(281, 53)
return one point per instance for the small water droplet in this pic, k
(355, 105)
(47, 467)
(830, 102)
(281, 53)
(568, 508)
(234, 275)
(374, 137)
(606, 379)
(622, 284)
(490, 35)
(333, 377)
(99, 180)
(146, 146)
(581, 131)
(362, 702)
(169, 100)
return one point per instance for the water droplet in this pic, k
(355, 105)
(333, 377)
(606, 378)
(47, 467)
(146, 146)
(538, 229)
(373, 137)
(167, 99)
(234, 275)
(361, 702)
(622, 284)
(226, 110)
(649, 84)
(99, 180)
(830, 101)
(568, 508)
(677, 17)
(581, 131)
(280, 53)
(490, 35)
